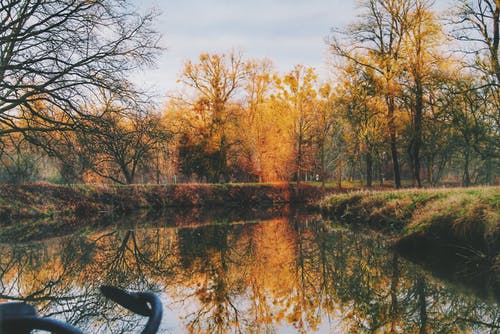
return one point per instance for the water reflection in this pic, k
(277, 275)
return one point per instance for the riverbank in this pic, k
(81, 201)
(457, 227)
(37, 211)
(452, 222)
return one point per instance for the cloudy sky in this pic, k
(286, 31)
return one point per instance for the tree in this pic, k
(437, 132)
(378, 37)
(323, 126)
(296, 101)
(62, 52)
(479, 23)
(215, 80)
(256, 118)
(361, 108)
(19, 160)
(466, 113)
(422, 37)
(119, 143)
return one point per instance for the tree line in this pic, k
(414, 99)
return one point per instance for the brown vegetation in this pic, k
(45, 200)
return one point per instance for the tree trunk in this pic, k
(369, 167)
(496, 41)
(442, 164)
(417, 134)
(394, 149)
(128, 175)
(489, 166)
(222, 170)
(323, 169)
(430, 176)
(466, 177)
(339, 174)
(299, 161)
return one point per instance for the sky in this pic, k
(288, 32)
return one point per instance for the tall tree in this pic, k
(361, 107)
(466, 112)
(296, 101)
(422, 37)
(379, 34)
(325, 117)
(477, 24)
(257, 123)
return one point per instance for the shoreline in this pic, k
(459, 225)
(82, 201)
(447, 229)
(35, 211)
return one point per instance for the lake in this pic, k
(276, 271)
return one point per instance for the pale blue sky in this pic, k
(286, 31)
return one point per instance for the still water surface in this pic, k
(283, 274)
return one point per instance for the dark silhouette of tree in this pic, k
(61, 53)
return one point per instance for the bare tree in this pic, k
(478, 21)
(120, 143)
(62, 52)
(477, 24)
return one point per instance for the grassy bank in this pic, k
(47, 200)
(431, 224)
(38, 211)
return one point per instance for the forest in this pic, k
(412, 99)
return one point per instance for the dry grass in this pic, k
(470, 215)
(46, 200)
(465, 218)
(415, 208)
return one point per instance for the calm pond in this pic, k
(279, 272)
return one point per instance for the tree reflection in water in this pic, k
(296, 273)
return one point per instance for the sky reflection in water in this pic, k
(283, 275)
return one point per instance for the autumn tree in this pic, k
(377, 36)
(422, 40)
(361, 107)
(215, 81)
(257, 119)
(324, 119)
(295, 100)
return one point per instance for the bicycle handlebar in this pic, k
(22, 318)
(143, 303)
